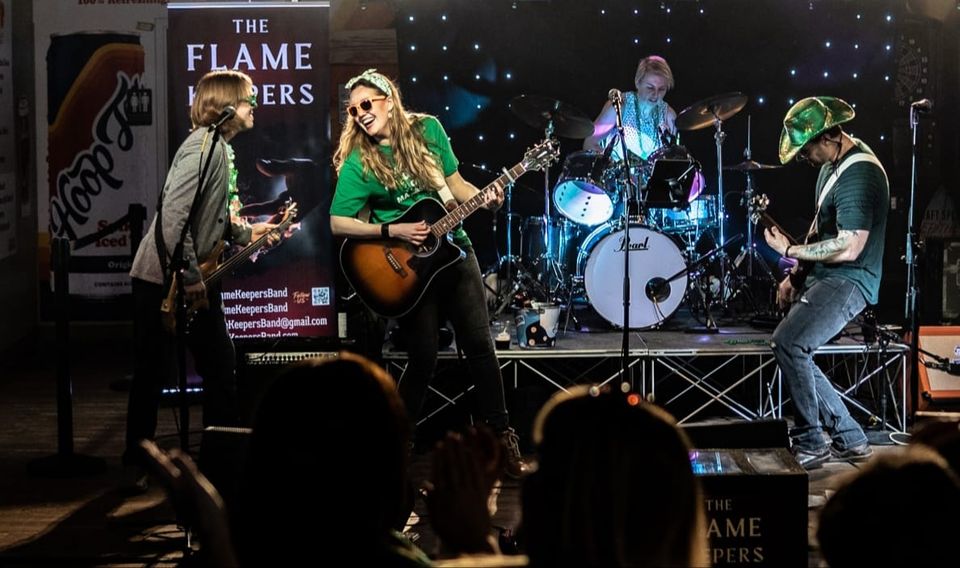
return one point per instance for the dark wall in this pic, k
(774, 51)
(18, 273)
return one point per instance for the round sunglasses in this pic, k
(365, 105)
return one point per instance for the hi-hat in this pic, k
(702, 114)
(539, 112)
(751, 166)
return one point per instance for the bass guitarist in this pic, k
(844, 263)
(388, 159)
(225, 97)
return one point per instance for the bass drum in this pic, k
(655, 258)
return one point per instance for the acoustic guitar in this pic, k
(390, 275)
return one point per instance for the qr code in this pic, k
(320, 296)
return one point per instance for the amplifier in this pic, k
(257, 369)
(282, 358)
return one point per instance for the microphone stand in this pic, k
(629, 190)
(910, 258)
(177, 264)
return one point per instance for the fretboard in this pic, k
(465, 209)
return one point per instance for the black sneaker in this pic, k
(854, 454)
(516, 466)
(812, 459)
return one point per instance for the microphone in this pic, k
(923, 105)
(657, 289)
(226, 114)
(615, 96)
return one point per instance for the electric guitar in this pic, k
(390, 275)
(212, 270)
(757, 208)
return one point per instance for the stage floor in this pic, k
(730, 373)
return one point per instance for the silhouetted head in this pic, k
(899, 510)
(329, 450)
(614, 486)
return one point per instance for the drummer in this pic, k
(648, 121)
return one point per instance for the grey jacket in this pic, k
(208, 224)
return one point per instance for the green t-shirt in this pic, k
(860, 200)
(357, 189)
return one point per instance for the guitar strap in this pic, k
(827, 187)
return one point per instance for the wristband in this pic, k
(786, 251)
(385, 230)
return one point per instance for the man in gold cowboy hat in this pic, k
(842, 261)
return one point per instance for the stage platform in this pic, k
(695, 376)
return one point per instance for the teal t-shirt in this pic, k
(357, 189)
(860, 200)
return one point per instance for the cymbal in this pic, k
(538, 112)
(751, 166)
(701, 114)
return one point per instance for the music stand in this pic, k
(669, 184)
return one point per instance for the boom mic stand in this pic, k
(912, 249)
(177, 264)
(629, 190)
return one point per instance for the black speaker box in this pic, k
(751, 434)
(223, 456)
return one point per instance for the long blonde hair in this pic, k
(410, 153)
(215, 91)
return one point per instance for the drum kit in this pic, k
(574, 257)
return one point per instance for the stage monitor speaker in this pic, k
(223, 456)
(937, 386)
(740, 434)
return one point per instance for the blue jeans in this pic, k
(822, 311)
(456, 293)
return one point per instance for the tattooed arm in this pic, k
(845, 247)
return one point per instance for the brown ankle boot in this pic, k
(516, 467)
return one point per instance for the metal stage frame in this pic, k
(721, 368)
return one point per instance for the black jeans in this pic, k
(456, 293)
(155, 365)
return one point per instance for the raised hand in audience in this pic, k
(196, 500)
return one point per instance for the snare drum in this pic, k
(580, 194)
(654, 259)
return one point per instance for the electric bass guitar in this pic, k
(212, 270)
(757, 208)
(390, 275)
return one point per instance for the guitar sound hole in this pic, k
(428, 246)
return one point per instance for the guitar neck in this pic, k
(244, 253)
(468, 207)
(768, 222)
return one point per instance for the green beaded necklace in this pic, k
(233, 194)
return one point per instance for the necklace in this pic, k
(233, 194)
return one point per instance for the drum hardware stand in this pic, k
(719, 136)
(741, 285)
(655, 286)
(510, 260)
(550, 264)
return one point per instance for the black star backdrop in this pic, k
(465, 60)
